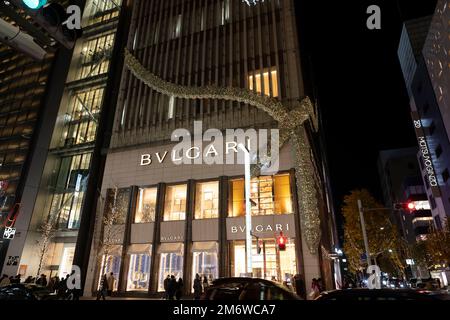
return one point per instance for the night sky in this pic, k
(359, 84)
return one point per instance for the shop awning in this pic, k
(207, 246)
(171, 248)
(139, 249)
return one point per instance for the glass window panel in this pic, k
(139, 272)
(269, 196)
(146, 205)
(207, 200)
(271, 264)
(205, 264)
(170, 264)
(283, 196)
(175, 203)
(268, 78)
(111, 264)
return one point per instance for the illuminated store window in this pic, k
(204, 261)
(139, 267)
(269, 195)
(170, 263)
(265, 265)
(175, 203)
(111, 264)
(146, 205)
(65, 267)
(268, 79)
(207, 200)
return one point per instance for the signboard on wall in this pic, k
(172, 231)
(263, 227)
(425, 154)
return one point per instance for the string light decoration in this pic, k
(292, 128)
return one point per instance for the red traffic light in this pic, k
(408, 206)
(281, 242)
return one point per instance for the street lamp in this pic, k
(248, 211)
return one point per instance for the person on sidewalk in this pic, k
(103, 290)
(197, 287)
(166, 287)
(111, 283)
(179, 289)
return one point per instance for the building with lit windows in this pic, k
(156, 218)
(423, 53)
(58, 185)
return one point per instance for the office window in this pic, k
(224, 11)
(171, 111)
(175, 203)
(267, 79)
(146, 205)
(207, 200)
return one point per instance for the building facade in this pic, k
(402, 182)
(157, 217)
(56, 197)
(425, 63)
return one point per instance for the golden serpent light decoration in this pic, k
(291, 125)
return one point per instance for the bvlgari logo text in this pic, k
(221, 150)
(262, 228)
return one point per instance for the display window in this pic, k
(175, 203)
(111, 264)
(205, 261)
(146, 205)
(270, 195)
(170, 263)
(270, 263)
(139, 267)
(207, 200)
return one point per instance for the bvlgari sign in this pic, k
(262, 226)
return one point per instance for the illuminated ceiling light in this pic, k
(34, 4)
(252, 2)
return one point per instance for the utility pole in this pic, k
(363, 227)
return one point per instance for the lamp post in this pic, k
(248, 212)
(363, 227)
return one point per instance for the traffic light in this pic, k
(258, 246)
(407, 206)
(281, 242)
(62, 24)
(35, 4)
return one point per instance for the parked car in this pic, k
(380, 295)
(29, 292)
(247, 289)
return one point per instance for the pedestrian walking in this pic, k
(315, 290)
(29, 279)
(103, 290)
(111, 282)
(299, 286)
(42, 281)
(172, 287)
(197, 287)
(166, 287)
(179, 289)
(205, 283)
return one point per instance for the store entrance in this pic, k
(270, 263)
